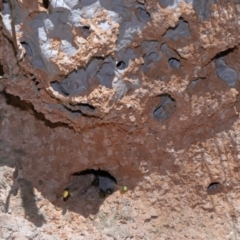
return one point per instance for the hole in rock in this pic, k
(86, 27)
(45, 4)
(103, 180)
(214, 187)
(36, 60)
(165, 109)
(121, 65)
(37, 86)
(5, 1)
(85, 31)
(174, 63)
(40, 182)
(27, 48)
(1, 70)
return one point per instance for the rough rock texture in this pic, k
(145, 90)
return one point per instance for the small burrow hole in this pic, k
(121, 65)
(98, 172)
(214, 187)
(86, 31)
(27, 48)
(1, 70)
(103, 180)
(45, 3)
(174, 63)
(40, 182)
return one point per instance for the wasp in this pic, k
(124, 189)
(66, 194)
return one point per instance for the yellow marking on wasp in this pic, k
(124, 188)
(66, 194)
